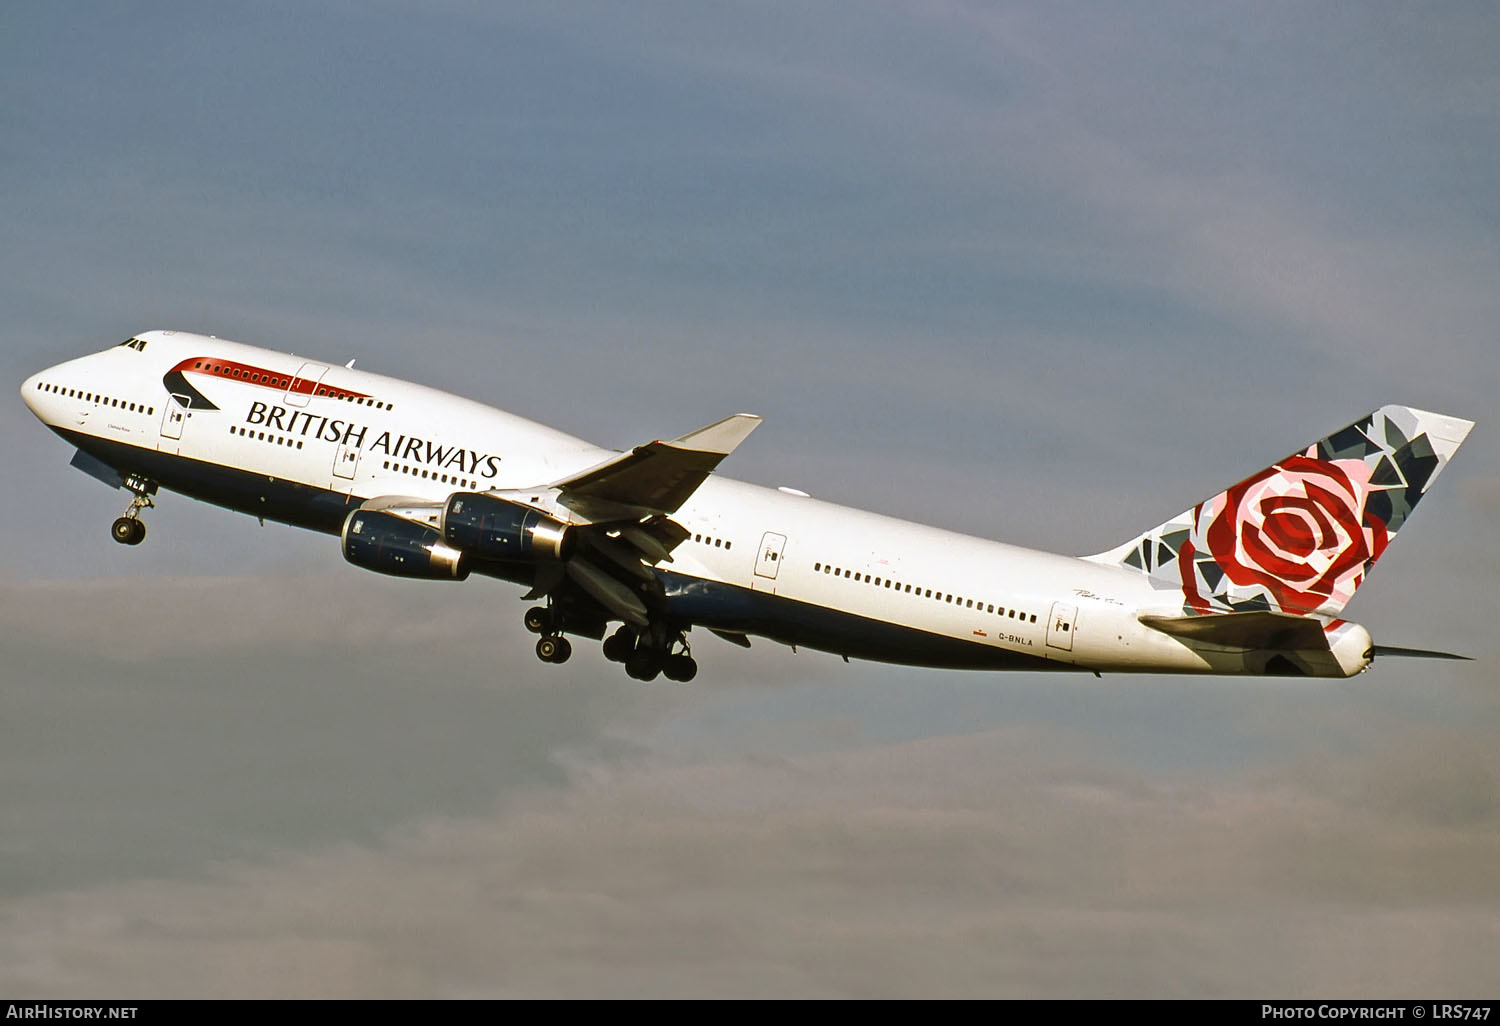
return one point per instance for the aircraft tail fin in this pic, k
(1300, 536)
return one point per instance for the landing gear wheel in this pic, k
(131, 529)
(619, 645)
(538, 619)
(643, 664)
(681, 668)
(553, 649)
(128, 531)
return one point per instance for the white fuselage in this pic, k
(319, 439)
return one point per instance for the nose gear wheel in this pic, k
(130, 529)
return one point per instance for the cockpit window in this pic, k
(135, 343)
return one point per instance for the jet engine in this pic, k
(492, 528)
(393, 545)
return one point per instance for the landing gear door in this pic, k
(304, 384)
(175, 416)
(1062, 625)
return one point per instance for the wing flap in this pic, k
(608, 592)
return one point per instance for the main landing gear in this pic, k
(130, 529)
(551, 647)
(647, 654)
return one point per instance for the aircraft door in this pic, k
(304, 384)
(768, 562)
(346, 461)
(1061, 626)
(175, 416)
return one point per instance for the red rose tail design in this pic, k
(1301, 535)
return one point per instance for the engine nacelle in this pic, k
(492, 528)
(393, 545)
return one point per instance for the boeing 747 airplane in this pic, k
(637, 548)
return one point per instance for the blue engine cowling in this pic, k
(393, 545)
(492, 528)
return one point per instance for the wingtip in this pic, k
(720, 437)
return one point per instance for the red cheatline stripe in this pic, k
(250, 374)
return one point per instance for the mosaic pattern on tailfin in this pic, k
(1301, 535)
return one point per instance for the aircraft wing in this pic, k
(655, 478)
(619, 512)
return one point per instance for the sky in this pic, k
(1047, 273)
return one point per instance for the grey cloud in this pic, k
(946, 867)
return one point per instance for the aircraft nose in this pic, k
(31, 391)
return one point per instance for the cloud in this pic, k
(950, 867)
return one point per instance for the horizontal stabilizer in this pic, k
(1415, 653)
(1243, 630)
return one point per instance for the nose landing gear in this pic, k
(130, 529)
